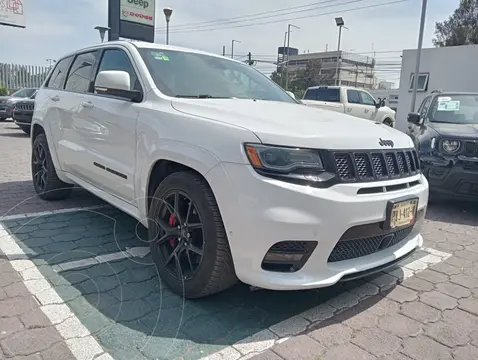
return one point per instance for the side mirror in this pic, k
(414, 118)
(291, 94)
(116, 83)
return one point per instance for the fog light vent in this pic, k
(288, 256)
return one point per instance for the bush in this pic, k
(3, 91)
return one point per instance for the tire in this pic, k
(3, 118)
(53, 188)
(388, 122)
(26, 129)
(215, 271)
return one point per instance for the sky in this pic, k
(55, 27)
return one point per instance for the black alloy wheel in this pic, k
(40, 167)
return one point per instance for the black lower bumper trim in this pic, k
(375, 270)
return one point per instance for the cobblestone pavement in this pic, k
(100, 292)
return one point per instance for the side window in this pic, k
(366, 99)
(116, 59)
(353, 97)
(310, 94)
(424, 107)
(79, 77)
(58, 74)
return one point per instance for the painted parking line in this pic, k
(120, 301)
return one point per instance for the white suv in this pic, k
(234, 179)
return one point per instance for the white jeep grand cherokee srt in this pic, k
(234, 179)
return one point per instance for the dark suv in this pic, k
(23, 113)
(7, 102)
(445, 132)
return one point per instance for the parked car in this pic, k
(351, 101)
(233, 178)
(7, 102)
(445, 131)
(23, 113)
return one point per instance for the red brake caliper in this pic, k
(172, 223)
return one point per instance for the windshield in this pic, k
(185, 74)
(24, 93)
(455, 109)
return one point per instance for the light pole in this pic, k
(341, 24)
(288, 54)
(419, 53)
(51, 61)
(167, 13)
(102, 30)
(232, 47)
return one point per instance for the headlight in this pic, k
(450, 146)
(10, 102)
(283, 159)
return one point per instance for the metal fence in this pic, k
(17, 76)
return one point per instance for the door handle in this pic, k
(55, 98)
(87, 104)
(349, 109)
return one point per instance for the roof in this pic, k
(331, 87)
(142, 44)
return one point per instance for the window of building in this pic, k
(422, 82)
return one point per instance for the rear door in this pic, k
(51, 104)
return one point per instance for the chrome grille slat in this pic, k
(375, 166)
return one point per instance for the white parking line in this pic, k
(85, 347)
(44, 213)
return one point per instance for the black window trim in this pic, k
(97, 67)
(422, 105)
(75, 56)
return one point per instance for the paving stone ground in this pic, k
(122, 303)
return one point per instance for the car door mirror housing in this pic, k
(116, 83)
(414, 118)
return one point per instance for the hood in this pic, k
(12, 99)
(469, 131)
(291, 124)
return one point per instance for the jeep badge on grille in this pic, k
(385, 142)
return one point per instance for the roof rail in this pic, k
(438, 91)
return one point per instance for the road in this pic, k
(86, 272)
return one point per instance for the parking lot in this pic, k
(101, 284)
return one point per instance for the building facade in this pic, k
(353, 70)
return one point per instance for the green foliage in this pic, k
(461, 28)
(3, 91)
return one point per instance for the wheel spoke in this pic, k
(196, 250)
(178, 267)
(189, 260)
(190, 206)
(162, 239)
(194, 226)
(172, 255)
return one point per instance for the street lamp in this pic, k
(232, 47)
(341, 24)
(419, 52)
(102, 30)
(167, 13)
(288, 54)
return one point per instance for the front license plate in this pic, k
(403, 213)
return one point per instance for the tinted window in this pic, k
(454, 109)
(327, 94)
(188, 74)
(310, 94)
(424, 107)
(79, 77)
(366, 99)
(59, 74)
(118, 60)
(353, 96)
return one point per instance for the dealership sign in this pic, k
(12, 13)
(137, 11)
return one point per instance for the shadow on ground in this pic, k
(125, 305)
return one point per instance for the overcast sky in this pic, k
(55, 27)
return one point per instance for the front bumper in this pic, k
(457, 178)
(259, 212)
(22, 118)
(6, 111)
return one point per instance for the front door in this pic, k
(108, 131)
(367, 103)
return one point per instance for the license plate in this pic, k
(403, 213)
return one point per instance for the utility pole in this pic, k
(249, 59)
(288, 54)
(419, 53)
(224, 50)
(232, 47)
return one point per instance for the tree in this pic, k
(461, 28)
(3, 90)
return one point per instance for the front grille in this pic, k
(24, 106)
(347, 249)
(370, 166)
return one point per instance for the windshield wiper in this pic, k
(202, 96)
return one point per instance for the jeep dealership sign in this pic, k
(138, 11)
(12, 13)
(131, 19)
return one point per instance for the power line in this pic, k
(257, 16)
(296, 18)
